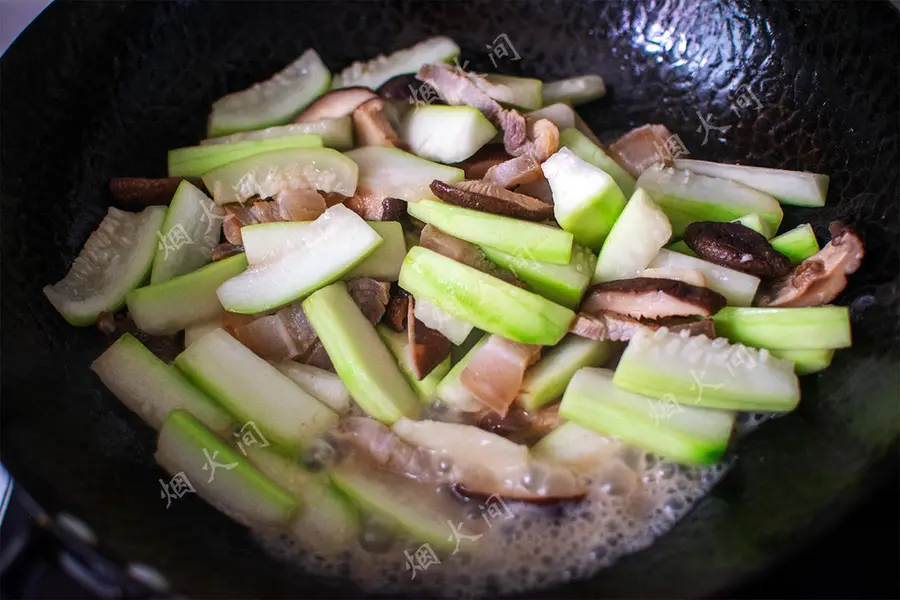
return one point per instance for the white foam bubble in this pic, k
(637, 498)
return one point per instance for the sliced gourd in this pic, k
(707, 373)
(197, 160)
(790, 187)
(547, 379)
(168, 307)
(398, 343)
(153, 389)
(806, 361)
(372, 73)
(513, 236)
(335, 133)
(323, 385)
(798, 244)
(393, 173)
(757, 224)
(116, 259)
(191, 230)
(274, 101)
(563, 284)
(454, 329)
(267, 240)
(575, 90)
(397, 501)
(326, 521)
(334, 243)
(519, 92)
(687, 197)
(581, 449)
(489, 303)
(446, 134)
(220, 475)
(810, 328)
(585, 149)
(738, 288)
(635, 239)
(253, 390)
(586, 200)
(359, 356)
(266, 174)
(682, 433)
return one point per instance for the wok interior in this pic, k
(115, 86)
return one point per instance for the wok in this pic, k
(96, 90)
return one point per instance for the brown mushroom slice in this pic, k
(539, 189)
(640, 148)
(521, 170)
(407, 87)
(737, 247)
(477, 165)
(372, 125)
(143, 191)
(335, 104)
(371, 296)
(606, 325)
(694, 327)
(820, 278)
(492, 198)
(649, 298)
(494, 374)
(375, 207)
(427, 347)
(225, 250)
(397, 309)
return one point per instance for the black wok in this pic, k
(96, 90)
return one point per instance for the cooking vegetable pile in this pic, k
(408, 274)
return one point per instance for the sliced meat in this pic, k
(298, 327)
(374, 207)
(225, 250)
(378, 443)
(332, 198)
(520, 426)
(640, 148)
(371, 296)
(268, 337)
(428, 348)
(335, 104)
(463, 252)
(494, 374)
(606, 325)
(646, 297)
(236, 216)
(457, 88)
(477, 165)
(820, 278)
(373, 127)
(521, 170)
(545, 138)
(737, 247)
(304, 204)
(397, 308)
(318, 357)
(135, 192)
(492, 198)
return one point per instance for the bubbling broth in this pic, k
(497, 546)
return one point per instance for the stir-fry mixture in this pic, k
(412, 317)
